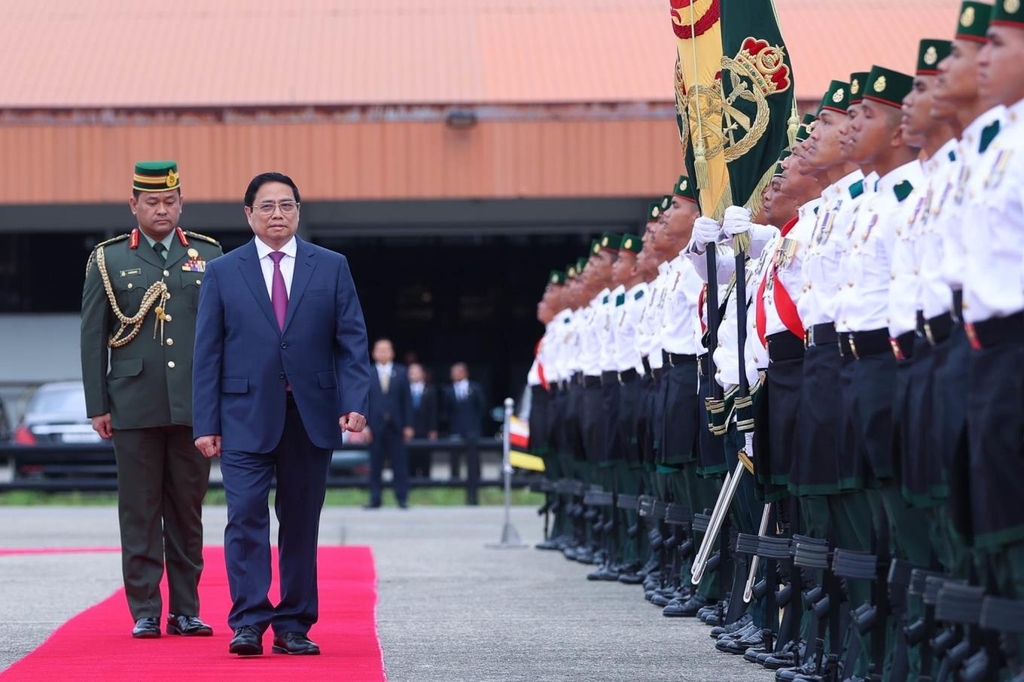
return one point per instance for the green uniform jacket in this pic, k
(148, 384)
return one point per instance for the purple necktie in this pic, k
(279, 292)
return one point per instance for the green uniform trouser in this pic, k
(851, 519)
(696, 493)
(162, 480)
(815, 522)
(566, 469)
(627, 483)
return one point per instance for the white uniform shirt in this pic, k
(588, 330)
(626, 319)
(755, 355)
(865, 269)
(935, 295)
(994, 251)
(680, 329)
(606, 330)
(812, 277)
(648, 337)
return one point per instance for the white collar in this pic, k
(289, 249)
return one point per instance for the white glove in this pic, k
(705, 231)
(737, 221)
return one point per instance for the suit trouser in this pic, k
(301, 470)
(388, 444)
(162, 480)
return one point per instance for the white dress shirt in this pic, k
(461, 389)
(935, 295)
(680, 327)
(588, 330)
(627, 318)
(382, 370)
(606, 330)
(287, 264)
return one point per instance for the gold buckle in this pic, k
(853, 347)
(808, 337)
(928, 333)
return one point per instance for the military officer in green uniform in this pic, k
(138, 326)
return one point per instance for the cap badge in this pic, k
(931, 55)
(1011, 6)
(838, 96)
(967, 18)
(880, 84)
(854, 87)
(172, 179)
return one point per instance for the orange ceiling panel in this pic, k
(90, 54)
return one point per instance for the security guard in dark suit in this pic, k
(138, 327)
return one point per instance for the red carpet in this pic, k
(97, 643)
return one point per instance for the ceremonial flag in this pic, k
(519, 439)
(734, 98)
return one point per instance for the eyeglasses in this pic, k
(267, 208)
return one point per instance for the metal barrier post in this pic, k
(509, 534)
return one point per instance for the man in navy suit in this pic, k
(280, 372)
(464, 407)
(390, 426)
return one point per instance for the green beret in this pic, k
(666, 202)
(580, 264)
(631, 242)
(888, 87)
(974, 19)
(557, 277)
(684, 189)
(1008, 13)
(858, 83)
(611, 241)
(778, 166)
(595, 246)
(837, 97)
(654, 211)
(156, 176)
(929, 53)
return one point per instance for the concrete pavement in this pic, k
(450, 608)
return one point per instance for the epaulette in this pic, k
(203, 237)
(113, 239)
(92, 255)
(856, 189)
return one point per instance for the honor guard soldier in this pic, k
(138, 327)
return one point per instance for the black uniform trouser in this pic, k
(162, 480)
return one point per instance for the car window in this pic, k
(70, 401)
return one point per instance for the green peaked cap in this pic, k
(1008, 13)
(837, 97)
(930, 52)
(858, 83)
(557, 277)
(973, 21)
(887, 86)
(156, 176)
(684, 189)
(631, 242)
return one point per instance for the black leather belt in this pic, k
(995, 331)
(863, 344)
(609, 377)
(820, 335)
(937, 329)
(903, 345)
(784, 346)
(704, 364)
(591, 381)
(675, 359)
(628, 376)
(576, 378)
(656, 372)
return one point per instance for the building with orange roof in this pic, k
(448, 146)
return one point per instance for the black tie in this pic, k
(161, 250)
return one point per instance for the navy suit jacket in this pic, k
(394, 408)
(243, 360)
(465, 416)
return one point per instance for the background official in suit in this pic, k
(424, 420)
(144, 402)
(281, 370)
(464, 407)
(390, 426)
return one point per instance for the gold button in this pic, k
(171, 364)
(129, 285)
(167, 318)
(170, 342)
(166, 274)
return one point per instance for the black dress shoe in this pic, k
(188, 626)
(146, 628)
(296, 644)
(403, 505)
(248, 641)
(372, 506)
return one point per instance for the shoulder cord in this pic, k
(156, 293)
